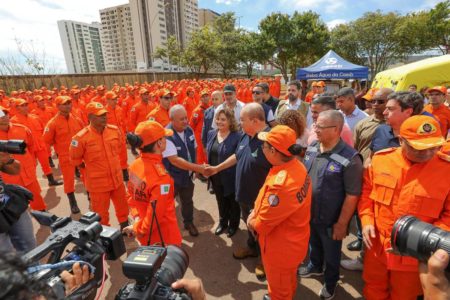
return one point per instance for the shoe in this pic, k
(50, 162)
(352, 264)
(326, 293)
(52, 181)
(126, 175)
(242, 253)
(220, 229)
(231, 231)
(191, 228)
(355, 245)
(77, 173)
(73, 203)
(309, 271)
(123, 225)
(266, 297)
(259, 272)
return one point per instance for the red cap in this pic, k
(95, 108)
(422, 132)
(151, 131)
(281, 137)
(439, 89)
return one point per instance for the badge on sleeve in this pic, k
(165, 188)
(46, 129)
(273, 200)
(74, 143)
(151, 119)
(280, 178)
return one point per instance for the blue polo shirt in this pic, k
(383, 138)
(251, 168)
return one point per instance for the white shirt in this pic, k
(237, 112)
(171, 150)
(352, 119)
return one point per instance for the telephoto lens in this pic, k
(418, 239)
(174, 266)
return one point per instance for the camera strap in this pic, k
(60, 265)
(154, 219)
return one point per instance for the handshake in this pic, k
(207, 170)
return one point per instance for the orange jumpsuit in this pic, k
(138, 113)
(282, 213)
(27, 177)
(115, 117)
(159, 115)
(149, 181)
(189, 105)
(442, 114)
(44, 116)
(196, 123)
(394, 187)
(40, 148)
(309, 96)
(103, 174)
(59, 132)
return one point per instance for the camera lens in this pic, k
(418, 239)
(174, 266)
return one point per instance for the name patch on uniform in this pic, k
(191, 138)
(165, 188)
(273, 200)
(334, 167)
(74, 143)
(255, 154)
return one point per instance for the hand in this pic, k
(368, 233)
(210, 171)
(79, 277)
(193, 286)
(432, 276)
(129, 231)
(339, 231)
(4, 158)
(250, 221)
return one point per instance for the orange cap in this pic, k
(204, 92)
(20, 101)
(422, 132)
(320, 83)
(281, 137)
(143, 91)
(151, 131)
(62, 99)
(38, 98)
(100, 88)
(165, 92)
(110, 95)
(314, 83)
(95, 108)
(370, 93)
(439, 89)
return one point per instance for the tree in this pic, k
(253, 49)
(201, 52)
(172, 51)
(439, 26)
(343, 40)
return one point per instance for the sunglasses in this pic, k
(256, 92)
(168, 97)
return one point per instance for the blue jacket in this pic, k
(208, 119)
(181, 177)
(226, 149)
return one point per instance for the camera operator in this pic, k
(434, 281)
(18, 285)
(20, 234)
(150, 181)
(193, 286)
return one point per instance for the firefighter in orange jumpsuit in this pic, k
(150, 182)
(189, 102)
(33, 123)
(58, 133)
(411, 180)
(44, 114)
(437, 107)
(115, 117)
(100, 96)
(309, 96)
(96, 149)
(196, 123)
(282, 211)
(161, 113)
(139, 111)
(27, 177)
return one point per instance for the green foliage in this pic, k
(439, 26)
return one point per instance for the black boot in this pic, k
(50, 161)
(77, 173)
(52, 181)
(133, 151)
(73, 203)
(123, 225)
(125, 174)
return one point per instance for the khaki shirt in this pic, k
(363, 134)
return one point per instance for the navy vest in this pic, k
(329, 192)
(181, 177)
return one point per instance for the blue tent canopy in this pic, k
(332, 66)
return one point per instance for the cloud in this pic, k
(228, 2)
(328, 6)
(333, 23)
(49, 4)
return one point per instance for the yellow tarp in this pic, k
(427, 72)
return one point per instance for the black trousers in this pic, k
(245, 212)
(184, 196)
(229, 210)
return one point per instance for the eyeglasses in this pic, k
(228, 93)
(167, 97)
(256, 92)
(319, 127)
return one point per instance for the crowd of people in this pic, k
(295, 171)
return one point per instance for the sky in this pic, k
(34, 21)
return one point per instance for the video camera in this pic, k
(155, 269)
(13, 146)
(418, 239)
(93, 242)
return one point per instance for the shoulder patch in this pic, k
(280, 178)
(443, 156)
(164, 189)
(112, 126)
(273, 200)
(46, 129)
(387, 150)
(151, 119)
(160, 169)
(82, 132)
(74, 143)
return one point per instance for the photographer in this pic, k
(149, 181)
(433, 278)
(20, 234)
(18, 285)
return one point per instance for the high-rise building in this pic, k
(155, 20)
(206, 16)
(117, 38)
(82, 46)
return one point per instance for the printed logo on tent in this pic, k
(331, 60)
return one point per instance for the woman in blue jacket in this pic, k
(221, 144)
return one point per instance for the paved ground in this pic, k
(210, 255)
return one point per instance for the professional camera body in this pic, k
(418, 239)
(13, 146)
(93, 242)
(154, 268)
